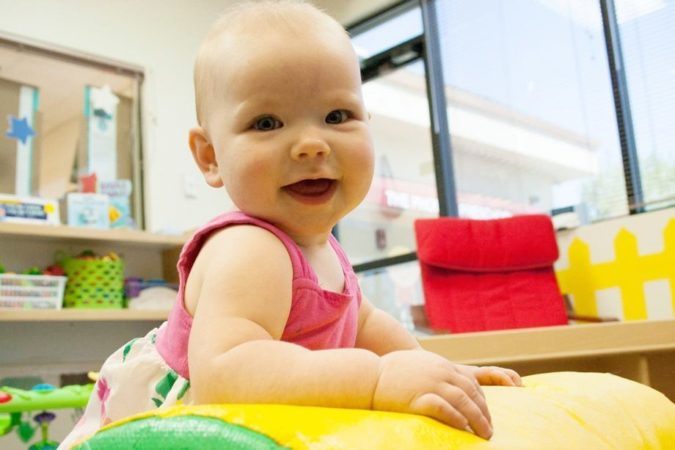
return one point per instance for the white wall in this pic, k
(162, 37)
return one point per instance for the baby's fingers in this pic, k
(468, 385)
(468, 400)
(498, 376)
(514, 376)
(437, 407)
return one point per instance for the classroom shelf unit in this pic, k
(48, 343)
(148, 255)
(121, 237)
(84, 315)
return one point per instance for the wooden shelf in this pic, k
(82, 315)
(560, 342)
(61, 233)
(643, 351)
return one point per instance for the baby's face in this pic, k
(290, 130)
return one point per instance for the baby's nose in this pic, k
(310, 147)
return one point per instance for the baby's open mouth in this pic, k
(312, 191)
(311, 187)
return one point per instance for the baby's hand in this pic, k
(421, 382)
(491, 375)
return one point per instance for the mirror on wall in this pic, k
(67, 116)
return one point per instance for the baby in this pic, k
(269, 309)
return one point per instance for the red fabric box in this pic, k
(489, 274)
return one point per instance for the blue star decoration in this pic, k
(19, 129)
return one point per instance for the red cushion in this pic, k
(513, 243)
(489, 274)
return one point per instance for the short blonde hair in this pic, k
(277, 14)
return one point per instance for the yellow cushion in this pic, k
(563, 410)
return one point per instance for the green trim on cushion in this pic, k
(181, 432)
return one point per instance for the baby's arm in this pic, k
(242, 280)
(375, 325)
(382, 334)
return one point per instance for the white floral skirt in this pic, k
(132, 380)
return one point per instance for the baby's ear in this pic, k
(205, 156)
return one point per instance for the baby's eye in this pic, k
(267, 123)
(337, 116)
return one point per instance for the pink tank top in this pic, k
(318, 319)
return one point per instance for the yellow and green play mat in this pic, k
(563, 410)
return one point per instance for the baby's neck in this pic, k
(326, 265)
(310, 243)
(308, 239)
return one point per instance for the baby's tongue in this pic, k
(310, 187)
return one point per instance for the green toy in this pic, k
(35, 270)
(44, 419)
(14, 402)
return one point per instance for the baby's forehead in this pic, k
(253, 34)
(258, 39)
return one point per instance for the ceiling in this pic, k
(348, 12)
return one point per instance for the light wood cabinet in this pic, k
(643, 351)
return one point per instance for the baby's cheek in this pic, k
(362, 151)
(361, 168)
(243, 177)
(254, 163)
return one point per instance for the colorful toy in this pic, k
(564, 410)
(35, 270)
(44, 419)
(14, 402)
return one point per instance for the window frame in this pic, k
(424, 47)
(624, 120)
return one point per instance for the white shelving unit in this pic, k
(84, 315)
(49, 342)
(63, 233)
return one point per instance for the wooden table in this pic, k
(643, 351)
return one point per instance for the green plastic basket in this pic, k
(94, 283)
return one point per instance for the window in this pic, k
(530, 108)
(399, 28)
(380, 231)
(394, 289)
(647, 34)
(67, 116)
(404, 186)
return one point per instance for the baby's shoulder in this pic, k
(235, 259)
(244, 242)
